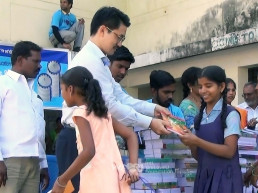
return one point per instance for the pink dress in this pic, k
(105, 171)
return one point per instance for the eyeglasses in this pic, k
(120, 38)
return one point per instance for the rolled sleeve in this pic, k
(233, 124)
(43, 164)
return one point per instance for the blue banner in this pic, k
(47, 84)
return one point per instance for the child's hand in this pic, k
(134, 174)
(188, 138)
(254, 177)
(127, 179)
(58, 188)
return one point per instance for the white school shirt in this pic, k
(124, 108)
(18, 120)
(251, 113)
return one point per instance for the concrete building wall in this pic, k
(30, 19)
(235, 61)
(157, 25)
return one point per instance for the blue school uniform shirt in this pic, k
(62, 20)
(232, 120)
(175, 111)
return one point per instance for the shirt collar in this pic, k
(149, 100)
(94, 48)
(16, 76)
(217, 106)
(65, 12)
(97, 52)
(245, 105)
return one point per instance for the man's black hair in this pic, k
(122, 53)
(23, 48)
(160, 79)
(111, 17)
(70, 2)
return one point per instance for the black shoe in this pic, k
(76, 49)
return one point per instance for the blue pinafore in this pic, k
(216, 174)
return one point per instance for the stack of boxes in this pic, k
(163, 168)
(167, 166)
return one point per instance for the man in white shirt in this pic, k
(108, 29)
(250, 104)
(19, 129)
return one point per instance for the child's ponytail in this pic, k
(94, 98)
(224, 109)
(82, 80)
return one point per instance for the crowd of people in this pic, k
(96, 108)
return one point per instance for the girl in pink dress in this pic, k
(99, 161)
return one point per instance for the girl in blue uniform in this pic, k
(214, 145)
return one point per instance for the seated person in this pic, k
(65, 28)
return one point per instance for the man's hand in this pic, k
(44, 178)
(159, 109)
(247, 177)
(81, 21)
(3, 173)
(252, 123)
(254, 177)
(159, 126)
(67, 46)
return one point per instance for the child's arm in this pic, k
(132, 144)
(83, 158)
(226, 150)
(194, 151)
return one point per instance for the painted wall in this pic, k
(30, 19)
(163, 34)
(235, 61)
(192, 27)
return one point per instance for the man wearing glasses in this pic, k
(108, 29)
(107, 33)
(250, 104)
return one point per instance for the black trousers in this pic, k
(66, 153)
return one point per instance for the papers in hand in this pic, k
(176, 125)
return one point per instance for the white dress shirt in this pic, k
(18, 119)
(41, 133)
(251, 113)
(126, 109)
